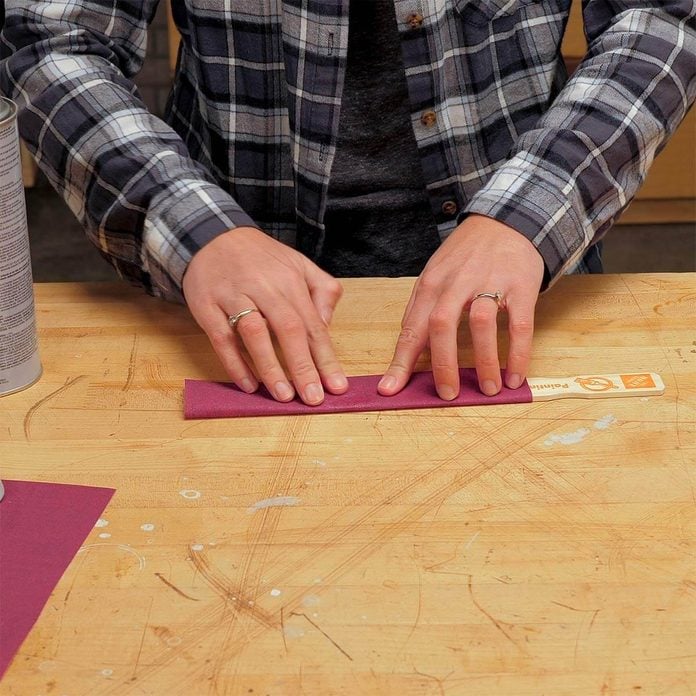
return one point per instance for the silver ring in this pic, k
(233, 319)
(497, 296)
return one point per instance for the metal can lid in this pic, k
(7, 109)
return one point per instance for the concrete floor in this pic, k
(61, 252)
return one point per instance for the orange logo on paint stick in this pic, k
(595, 384)
(638, 381)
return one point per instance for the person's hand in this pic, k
(246, 269)
(481, 255)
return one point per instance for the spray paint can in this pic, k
(19, 356)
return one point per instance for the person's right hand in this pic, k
(244, 269)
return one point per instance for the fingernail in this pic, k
(247, 385)
(489, 387)
(336, 381)
(283, 391)
(513, 381)
(388, 383)
(313, 393)
(446, 392)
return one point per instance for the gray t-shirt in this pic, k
(378, 218)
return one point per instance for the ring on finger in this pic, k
(496, 296)
(233, 319)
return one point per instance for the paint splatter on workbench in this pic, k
(568, 438)
(604, 422)
(278, 501)
(293, 632)
(579, 435)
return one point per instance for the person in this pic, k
(310, 140)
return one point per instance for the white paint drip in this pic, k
(293, 632)
(568, 438)
(605, 422)
(311, 600)
(190, 494)
(318, 462)
(197, 547)
(579, 435)
(278, 501)
(105, 535)
(472, 540)
(147, 527)
(275, 592)
(101, 522)
(107, 672)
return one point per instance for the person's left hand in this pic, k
(481, 255)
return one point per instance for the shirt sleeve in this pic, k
(125, 174)
(570, 178)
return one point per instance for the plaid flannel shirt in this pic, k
(253, 118)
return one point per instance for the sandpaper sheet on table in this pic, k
(42, 526)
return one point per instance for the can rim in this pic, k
(7, 109)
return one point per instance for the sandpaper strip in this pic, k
(204, 399)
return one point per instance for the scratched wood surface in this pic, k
(538, 549)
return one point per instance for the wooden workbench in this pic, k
(538, 549)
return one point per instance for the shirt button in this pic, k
(449, 208)
(428, 118)
(414, 20)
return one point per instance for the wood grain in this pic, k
(541, 548)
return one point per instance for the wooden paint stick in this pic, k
(596, 386)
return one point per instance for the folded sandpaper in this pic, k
(204, 399)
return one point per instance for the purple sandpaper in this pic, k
(42, 526)
(223, 400)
